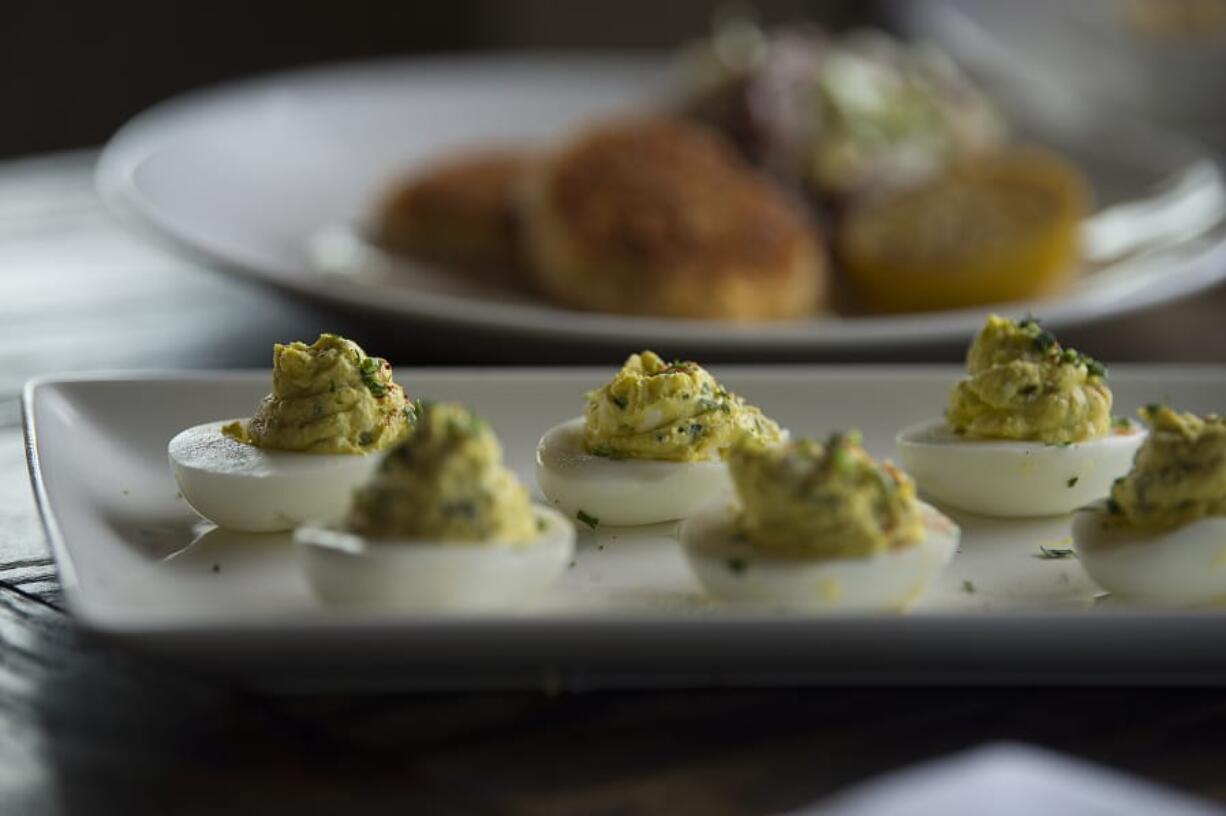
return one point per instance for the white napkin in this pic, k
(1008, 779)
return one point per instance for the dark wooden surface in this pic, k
(87, 728)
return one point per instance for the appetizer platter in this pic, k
(747, 194)
(339, 523)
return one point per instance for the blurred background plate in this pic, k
(271, 179)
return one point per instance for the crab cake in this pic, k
(661, 217)
(461, 213)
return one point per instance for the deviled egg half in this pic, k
(315, 438)
(442, 525)
(818, 526)
(1160, 538)
(649, 447)
(1028, 431)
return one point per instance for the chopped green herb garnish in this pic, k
(414, 411)
(541, 525)
(1121, 422)
(332, 386)
(1153, 408)
(1055, 553)
(620, 402)
(584, 518)
(1093, 367)
(602, 450)
(1072, 481)
(1044, 340)
(737, 565)
(968, 587)
(369, 369)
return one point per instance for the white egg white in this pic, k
(622, 492)
(1013, 479)
(732, 569)
(242, 487)
(1183, 566)
(443, 576)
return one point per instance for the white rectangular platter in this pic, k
(136, 568)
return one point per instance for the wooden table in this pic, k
(87, 728)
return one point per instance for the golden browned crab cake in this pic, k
(460, 212)
(657, 216)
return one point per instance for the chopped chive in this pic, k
(1055, 553)
(1072, 481)
(1044, 340)
(584, 518)
(369, 369)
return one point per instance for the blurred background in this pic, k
(74, 71)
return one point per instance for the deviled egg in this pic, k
(442, 525)
(1160, 538)
(1028, 431)
(310, 443)
(819, 526)
(649, 447)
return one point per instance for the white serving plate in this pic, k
(267, 178)
(627, 613)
